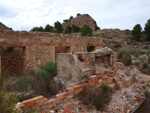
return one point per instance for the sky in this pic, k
(115, 14)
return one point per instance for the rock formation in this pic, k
(80, 21)
(4, 27)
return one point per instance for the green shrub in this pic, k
(7, 102)
(132, 52)
(97, 28)
(86, 31)
(142, 59)
(147, 93)
(48, 71)
(119, 56)
(46, 83)
(126, 59)
(22, 84)
(75, 28)
(98, 97)
(68, 29)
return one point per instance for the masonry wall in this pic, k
(43, 47)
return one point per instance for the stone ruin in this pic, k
(82, 62)
(22, 51)
(78, 67)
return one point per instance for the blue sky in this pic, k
(122, 14)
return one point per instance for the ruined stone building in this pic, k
(22, 51)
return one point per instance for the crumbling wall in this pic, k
(43, 47)
(76, 68)
(66, 102)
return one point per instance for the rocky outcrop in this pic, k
(4, 27)
(80, 21)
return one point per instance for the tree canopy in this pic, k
(49, 28)
(147, 29)
(137, 32)
(58, 27)
(37, 29)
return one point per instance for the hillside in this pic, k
(122, 42)
(4, 27)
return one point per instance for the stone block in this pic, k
(60, 95)
(71, 89)
(77, 87)
(38, 98)
(28, 102)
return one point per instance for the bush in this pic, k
(126, 59)
(78, 14)
(98, 97)
(97, 28)
(68, 29)
(45, 75)
(7, 102)
(40, 29)
(22, 84)
(147, 93)
(119, 56)
(132, 52)
(86, 31)
(75, 28)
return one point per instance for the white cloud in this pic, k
(123, 14)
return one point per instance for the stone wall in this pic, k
(43, 47)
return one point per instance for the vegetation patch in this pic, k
(98, 97)
(7, 102)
